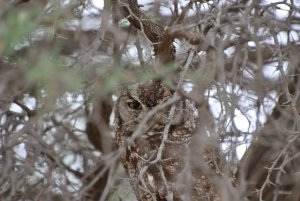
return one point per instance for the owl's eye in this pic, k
(135, 105)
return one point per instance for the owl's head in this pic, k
(134, 103)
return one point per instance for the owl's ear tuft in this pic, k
(117, 120)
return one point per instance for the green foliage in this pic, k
(16, 28)
(49, 74)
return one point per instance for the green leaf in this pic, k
(49, 74)
(16, 28)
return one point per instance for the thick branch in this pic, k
(162, 42)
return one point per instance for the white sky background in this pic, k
(245, 122)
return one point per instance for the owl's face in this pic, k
(134, 104)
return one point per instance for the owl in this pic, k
(155, 146)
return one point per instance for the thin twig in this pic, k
(273, 167)
(285, 81)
